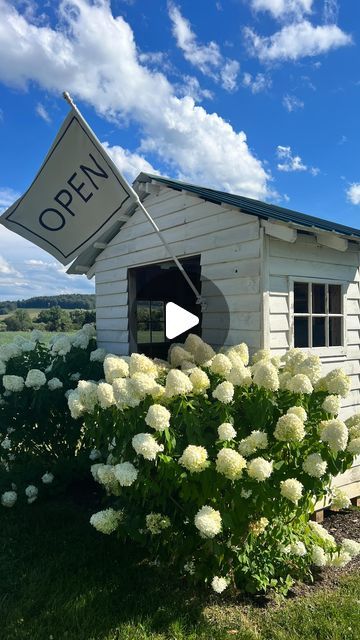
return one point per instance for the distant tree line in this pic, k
(64, 301)
(53, 319)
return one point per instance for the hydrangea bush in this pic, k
(215, 465)
(35, 379)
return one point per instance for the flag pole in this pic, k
(199, 299)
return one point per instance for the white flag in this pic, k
(77, 194)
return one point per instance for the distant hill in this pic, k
(65, 301)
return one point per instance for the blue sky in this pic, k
(257, 97)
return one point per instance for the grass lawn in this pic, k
(61, 580)
(9, 336)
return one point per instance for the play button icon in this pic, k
(178, 320)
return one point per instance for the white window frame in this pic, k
(321, 351)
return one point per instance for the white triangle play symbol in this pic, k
(178, 320)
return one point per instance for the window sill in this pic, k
(328, 352)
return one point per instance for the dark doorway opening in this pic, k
(150, 288)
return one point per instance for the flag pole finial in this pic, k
(69, 99)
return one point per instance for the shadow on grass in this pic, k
(60, 578)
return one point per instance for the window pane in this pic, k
(318, 329)
(318, 298)
(158, 334)
(301, 297)
(143, 321)
(334, 298)
(335, 332)
(301, 332)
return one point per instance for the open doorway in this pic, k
(150, 289)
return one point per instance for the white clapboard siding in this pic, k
(229, 244)
(304, 259)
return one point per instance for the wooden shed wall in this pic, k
(230, 245)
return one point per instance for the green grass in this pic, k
(9, 336)
(61, 580)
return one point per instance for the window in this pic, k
(318, 315)
(150, 315)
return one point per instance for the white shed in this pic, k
(271, 277)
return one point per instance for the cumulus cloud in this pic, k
(6, 268)
(257, 83)
(292, 103)
(129, 164)
(7, 197)
(353, 193)
(281, 9)
(331, 11)
(295, 41)
(290, 162)
(94, 55)
(41, 111)
(205, 57)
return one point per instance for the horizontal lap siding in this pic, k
(304, 259)
(230, 248)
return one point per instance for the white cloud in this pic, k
(295, 41)
(94, 55)
(205, 57)
(291, 162)
(41, 111)
(7, 197)
(6, 268)
(353, 193)
(331, 11)
(129, 164)
(283, 8)
(258, 83)
(292, 103)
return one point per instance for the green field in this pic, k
(9, 336)
(62, 580)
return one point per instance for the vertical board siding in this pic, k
(304, 259)
(230, 248)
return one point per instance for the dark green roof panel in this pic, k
(257, 208)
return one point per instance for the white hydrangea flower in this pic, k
(284, 379)
(8, 498)
(340, 500)
(340, 560)
(224, 392)
(158, 417)
(335, 433)
(291, 489)
(226, 431)
(80, 340)
(35, 379)
(144, 385)
(256, 440)
(311, 367)
(300, 383)
(8, 351)
(178, 355)
(105, 475)
(241, 350)
(246, 493)
(156, 523)
(351, 547)
(354, 446)
(230, 464)
(146, 446)
(95, 454)
(336, 382)
(61, 346)
(219, 584)
(266, 376)
(37, 335)
(208, 522)
(142, 364)
(6, 443)
(260, 469)
(106, 521)
(314, 465)
(354, 432)
(298, 549)
(353, 421)
(332, 404)
(124, 393)
(318, 556)
(189, 567)
(220, 364)
(105, 395)
(261, 355)
(199, 380)
(203, 353)
(177, 384)
(54, 384)
(239, 376)
(321, 532)
(2, 368)
(75, 376)
(31, 493)
(194, 458)
(125, 473)
(98, 355)
(299, 412)
(13, 383)
(289, 428)
(89, 329)
(94, 470)
(47, 478)
(75, 405)
(114, 367)
(192, 342)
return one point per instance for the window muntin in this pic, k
(150, 325)
(318, 315)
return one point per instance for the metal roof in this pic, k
(257, 208)
(250, 206)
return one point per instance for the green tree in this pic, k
(19, 321)
(55, 319)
